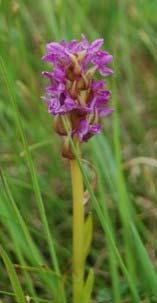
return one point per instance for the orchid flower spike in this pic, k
(73, 91)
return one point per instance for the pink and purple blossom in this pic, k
(73, 91)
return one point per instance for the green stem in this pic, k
(78, 231)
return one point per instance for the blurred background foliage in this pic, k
(35, 180)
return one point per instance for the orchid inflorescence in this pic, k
(73, 92)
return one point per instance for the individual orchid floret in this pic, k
(73, 91)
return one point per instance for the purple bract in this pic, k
(73, 91)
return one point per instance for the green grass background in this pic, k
(35, 188)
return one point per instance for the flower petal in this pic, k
(105, 71)
(95, 46)
(105, 112)
(69, 104)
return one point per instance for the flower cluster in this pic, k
(73, 91)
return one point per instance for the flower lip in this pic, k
(86, 130)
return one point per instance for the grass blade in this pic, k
(20, 298)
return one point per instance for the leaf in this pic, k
(88, 287)
(20, 298)
(149, 276)
(88, 232)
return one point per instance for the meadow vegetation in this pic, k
(35, 185)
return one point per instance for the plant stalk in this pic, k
(78, 231)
